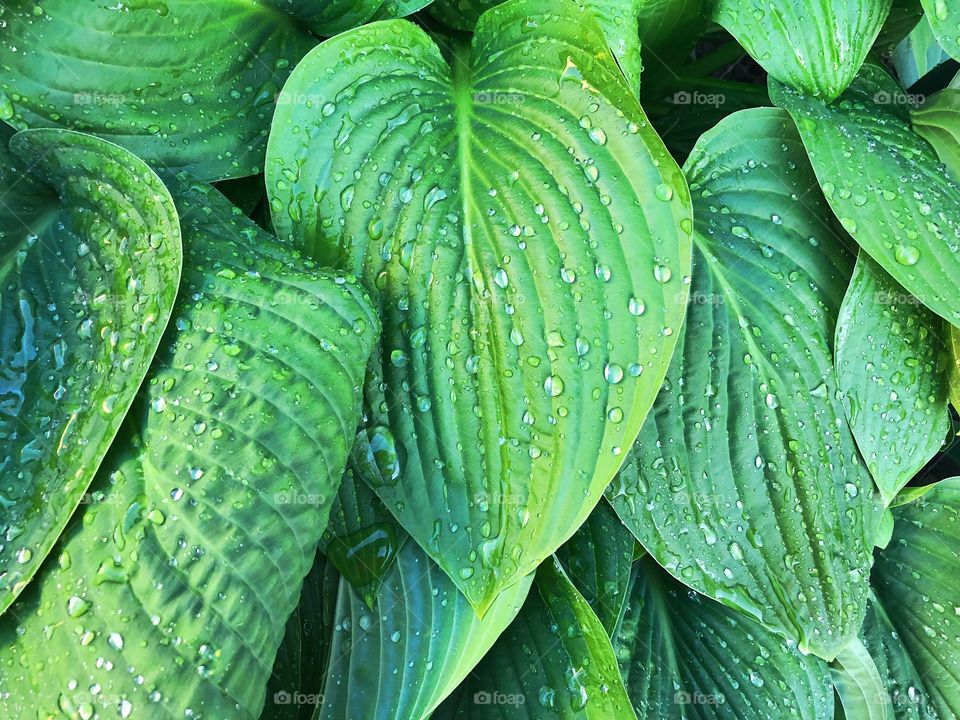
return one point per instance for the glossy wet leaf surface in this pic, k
(183, 84)
(745, 482)
(89, 264)
(892, 369)
(788, 40)
(885, 184)
(172, 593)
(683, 655)
(526, 238)
(944, 17)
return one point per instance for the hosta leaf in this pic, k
(865, 154)
(554, 661)
(745, 482)
(668, 25)
(183, 84)
(329, 17)
(816, 46)
(296, 683)
(171, 597)
(860, 687)
(685, 656)
(902, 20)
(902, 683)
(944, 17)
(915, 584)
(362, 538)
(89, 264)
(954, 374)
(892, 369)
(617, 18)
(938, 122)
(598, 559)
(918, 54)
(527, 259)
(402, 659)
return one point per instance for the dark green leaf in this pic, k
(89, 264)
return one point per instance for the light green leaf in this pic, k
(892, 370)
(554, 661)
(89, 264)
(915, 580)
(918, 54)
(944, 17)
(745, 482)
(183, 84)
(527, 258)
(859, 684)
(296, 683)
(938, 122)
(865, 154)
(902, 683)
(685, 656)
(171, 596)
(617, 18)
(816, 46)
(954, 374)
(402, 659)
(598, 559)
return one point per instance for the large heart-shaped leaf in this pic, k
(915, 580)
(745, 481)
(892, 369)
(554, 661)
(685, 656)
(171, 597)
(89, 264)
(399, 661)
(865, 154)
(329, 17)
(944, 17)
(526, 237)
(184, 84)
(816, 46)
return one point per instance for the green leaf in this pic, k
(915, 584)
(859, 684)
(891, 369)
(89, 264)
(938, 122)
(685, 656)
(918, 54)
(598, 559)
(401, 660)
(864, 154)
(171, 596)
(362, 538)
(902, 20)
(296, 683)
(902, 683)
(619, 20)
(815, 46)
(668, 25)
(954, 374)
(744, 482)
(554, 661)
(944, 17)
(329, 17)
(183, 84)
(527, 258)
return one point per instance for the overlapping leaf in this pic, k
(329, 17)
(683, 655)
(89, 264)
(400, 660)
(526, 236)
(171, 596)
(944, 17)
(554, 661)
(816, 46)
(915, 584)
(184, 84)
(745, 482)
(892, 369)
(885, 184)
